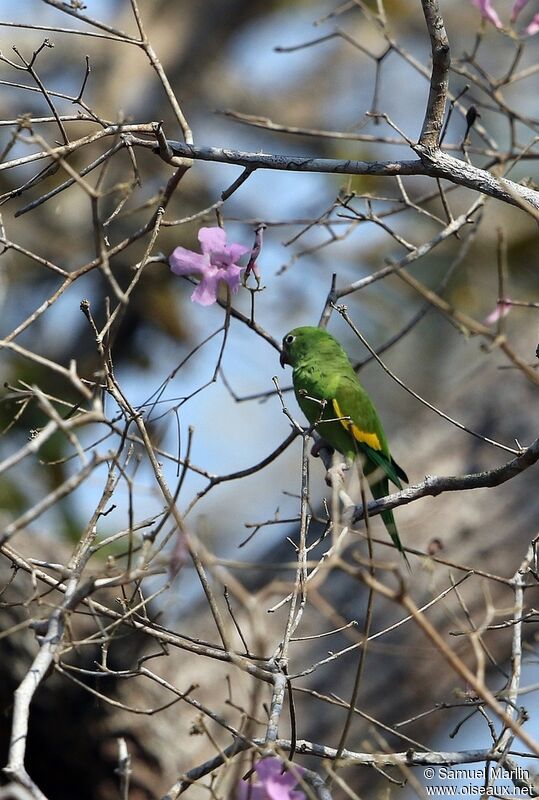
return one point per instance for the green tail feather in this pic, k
(381, 489)
(376, 462)
(386, 464)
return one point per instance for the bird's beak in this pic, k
(283, 359)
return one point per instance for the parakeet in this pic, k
(322, 371)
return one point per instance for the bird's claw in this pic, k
(335, 475)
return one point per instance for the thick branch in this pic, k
(433, 486)
(442, 165)
(293, 163)
(439, 82)
(432, 164)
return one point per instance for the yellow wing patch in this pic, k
(361, 436)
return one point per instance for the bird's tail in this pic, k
(381, 489)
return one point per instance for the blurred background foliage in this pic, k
(223, 57)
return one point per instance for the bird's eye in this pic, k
(289, 339)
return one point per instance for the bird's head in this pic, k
(286, 350)
(300, 342)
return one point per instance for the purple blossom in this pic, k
(533, 27)
(272, 784)
(517, 8)
(488, 12)
(217, 262)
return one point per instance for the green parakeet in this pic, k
(348, 421)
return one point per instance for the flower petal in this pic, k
(278, 785)
(533, 27)
(268, 767)
(502, 310)
(212, 239)
(281, 787)
(488, 12)
(221, 259)
(236, 251)
(231, 276)
(185, 262)
(517, 8)
(206, 292)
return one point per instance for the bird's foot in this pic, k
(335, 475)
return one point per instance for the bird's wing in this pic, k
(356, 413)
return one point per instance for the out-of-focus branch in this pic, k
(519, 582)
(50, 646)
(477, 685)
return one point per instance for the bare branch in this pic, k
(434, 486)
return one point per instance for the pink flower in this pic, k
(488, 12)
(533, 27)
(503, 307)
(273, 783)
(217, 262)
(517, 8)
